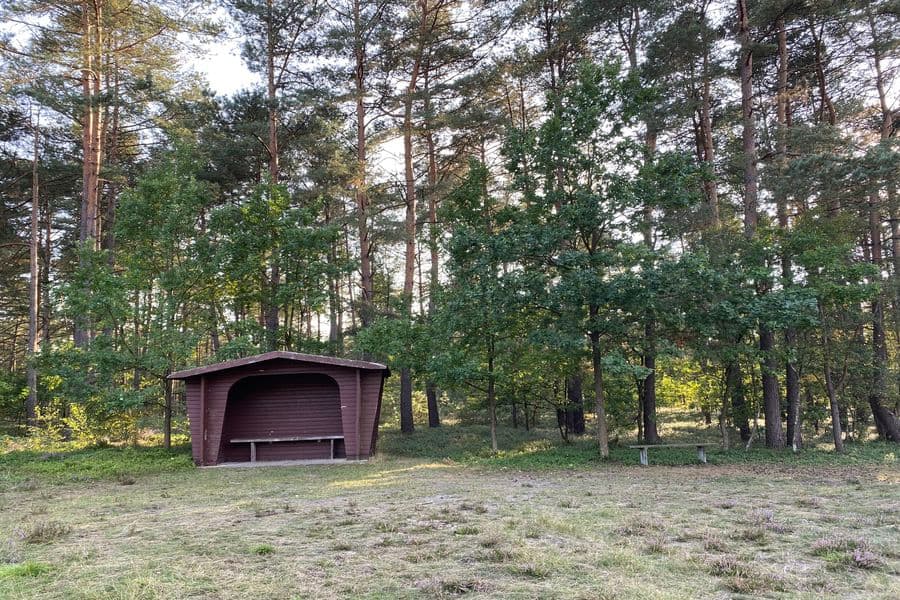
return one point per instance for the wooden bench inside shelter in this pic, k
(644, 448)
(304, 438)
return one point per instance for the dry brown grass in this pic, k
(407, 529)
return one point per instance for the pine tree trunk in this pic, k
(599, 393)
(771, 400)
(167, 414)
(367, 286)
(751, 179)
(575, 404)
(409, 228)
(33, 287)
(792, 377)
(708, 145)
(492, 395)
(270, 308)
(91, 143)
(834, 407)
(734, 381)
(431, 392)
(886, 422)
(648, 389)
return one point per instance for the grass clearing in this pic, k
(450, 524)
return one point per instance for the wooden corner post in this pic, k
(358, 411)
(202, 420)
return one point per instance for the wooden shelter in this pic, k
(283, 406)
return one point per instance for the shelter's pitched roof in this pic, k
(260, 358)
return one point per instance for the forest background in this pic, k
(597, 210)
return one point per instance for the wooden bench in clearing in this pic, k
(303, 438)
(701, 450)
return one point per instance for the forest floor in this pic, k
(128, 523)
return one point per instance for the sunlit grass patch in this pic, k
(263, 549)
(26, 569)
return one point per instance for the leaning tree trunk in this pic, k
(886, 422)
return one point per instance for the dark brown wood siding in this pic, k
(282, 375)
(278, 406)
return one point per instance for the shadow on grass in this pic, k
(467, 445)
(91, 464)
(543, 449)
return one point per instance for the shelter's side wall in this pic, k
(219, 384)
(192, 397)
(371, 398)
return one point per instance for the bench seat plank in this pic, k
(644, 449)
(697, 445)
(299, 438)
(304, 438)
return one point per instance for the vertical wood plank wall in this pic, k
(207, 401)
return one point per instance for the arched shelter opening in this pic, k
(293, 416)
(283, 406)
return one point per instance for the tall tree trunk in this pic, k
(91, 142)
(734, 381)
(751, 178)
(836, 428)
(771, 401)
(826, 107)
(886, 422)
(367, 286)
(409, 228)
(648, 388)
(708, 146)
(599, 392)
(111, 135)
(46, 262)
(33, 286)
(270, 301)
(492, 395)
(792, 377)
(575, 404)
(167, 413)
(431, 391)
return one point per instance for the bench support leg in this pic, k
(644, 460)
(252, 452)
(332, 449)
(701, 453)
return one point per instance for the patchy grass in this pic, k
(43, 532)
(26, 569)
(544, 450)
(27, 469)
(525, 524)
(263, 549)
